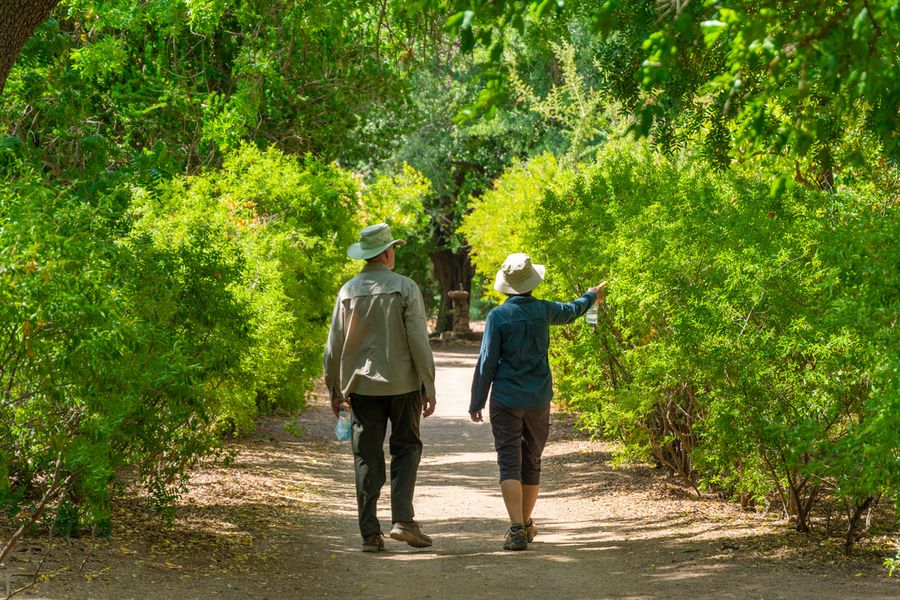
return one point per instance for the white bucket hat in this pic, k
(373, 240)
(518, 275)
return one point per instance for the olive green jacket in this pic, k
(378, 341)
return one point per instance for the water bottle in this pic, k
(591, 315)
(343, 429)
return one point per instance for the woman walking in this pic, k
(513, 361)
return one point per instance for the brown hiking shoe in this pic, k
(411, 533)
(373, 543)
(516, 540)
(530, 530)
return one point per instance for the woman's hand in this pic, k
(600, 290)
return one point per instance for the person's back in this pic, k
(377, 360)
(513, 366)
(381, 321)
(522, 327)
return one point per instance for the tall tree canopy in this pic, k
(169, 85)
(772, 76)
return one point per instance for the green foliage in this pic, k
(460, 162)
(163, 279)
(501, 219)
(110, 351)
(168, 280)
(396, 199)
(747, 342)
(290, 222)
(891, 563)
(574, 105)
(786, 78)
(153, 90)
(399, 200)
(136, 329)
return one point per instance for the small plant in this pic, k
(291, 428)
(892, 564)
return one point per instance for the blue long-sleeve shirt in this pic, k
(514, 349)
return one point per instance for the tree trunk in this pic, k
(453, 271)
(853, 522)
(18, 20)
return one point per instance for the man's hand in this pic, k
(476, 417)
(600, 290)
(336, 402)
(428, 405)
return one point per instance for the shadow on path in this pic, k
(281, 523)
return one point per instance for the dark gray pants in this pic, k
(370, 418)
(519, 439)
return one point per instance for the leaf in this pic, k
(778, 187)
(712, 30)
(453, 24)
(496, 51)
(539, 8)
(466, 35)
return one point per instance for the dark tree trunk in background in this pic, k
(18, 20)
(453, 271)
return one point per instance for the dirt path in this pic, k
(281, 523)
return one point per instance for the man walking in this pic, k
(513, 365)
(378, 360)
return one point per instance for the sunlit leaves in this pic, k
(774, 306)
(133, 334)
(101, 59)
(805, 62)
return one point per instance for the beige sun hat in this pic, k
(373, 240)
(518, 275)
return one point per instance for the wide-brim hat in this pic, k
(373, 240)
(518, 275)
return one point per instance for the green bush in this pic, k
(501, 219)
(138, 327)
(108, 358)
(290, 222)
(747, 340)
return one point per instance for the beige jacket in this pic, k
(378, 343)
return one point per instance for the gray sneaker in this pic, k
(411, 533)
(516, 540)
(373, 543)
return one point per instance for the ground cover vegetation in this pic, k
(180, 180)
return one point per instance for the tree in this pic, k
(18, 20)
(461, 160)
(166, 88)
(791, 77)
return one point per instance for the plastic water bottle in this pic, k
(591, 315)
(343, 429)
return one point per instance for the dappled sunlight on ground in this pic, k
(459, 458)
(280, 522)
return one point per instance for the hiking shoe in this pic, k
(411, 533)
(373, 543)
(516, 540)
(530, 530)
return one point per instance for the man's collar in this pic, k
(520, 299)
(375, 266)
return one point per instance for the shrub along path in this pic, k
(280, 523)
